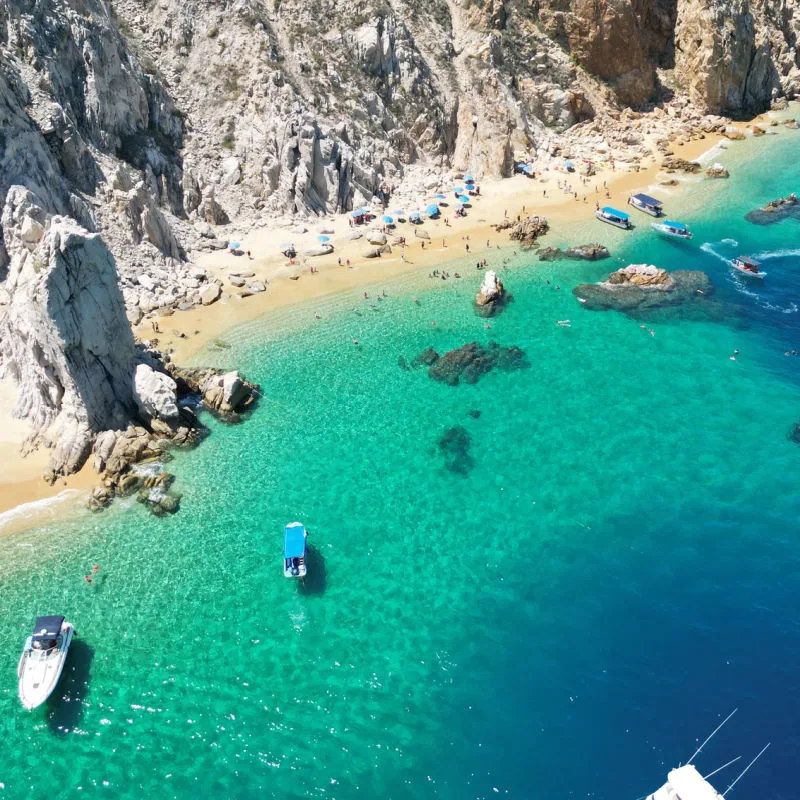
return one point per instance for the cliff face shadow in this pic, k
(316, 579)
(65, 706)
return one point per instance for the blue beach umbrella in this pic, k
(462, 198)
(469, 179)
(440, 196)
(432, 210)
(458, 189)
(399, 212)
(414, 215)
(323, 238)
(357, 213)
(233, 245)
(387, 219)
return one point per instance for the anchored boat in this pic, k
(294, 550)
(614, 217)
(672, 229)
(687, 783)
(747, 266)
(647, 204)
(42, 660)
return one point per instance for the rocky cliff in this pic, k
(153, 124)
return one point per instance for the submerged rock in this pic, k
(454, 445)
(642, 290)
(470, 362)
(775, 211)
(492, 296)
(580, 252)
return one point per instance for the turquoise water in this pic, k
(613, 575)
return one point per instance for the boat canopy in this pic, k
(294, 540)
(612, 212)
(748, 261)
(689, 784)
(646, 200)
(47, 628)
(679, 226)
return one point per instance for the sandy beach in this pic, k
(184, 333)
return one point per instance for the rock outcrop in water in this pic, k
(775, 211)
(454, 444)
(581, 252)
(641, 287)
(492, 296)
(470, 362)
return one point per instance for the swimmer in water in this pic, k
(652, 332)
(355, 342)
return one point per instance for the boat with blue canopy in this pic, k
(294, 550)
(42, 659)
(613, 217)
(672, 229)
(647, 204)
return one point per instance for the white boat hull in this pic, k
(747, 272)
(39, 670)
(661, 231)
(651, 211)
(624, 225)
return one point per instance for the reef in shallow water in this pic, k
(454, 445)
(470, 361)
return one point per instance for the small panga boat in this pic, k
(647, 204)
(672, 229)
(294, 550)
(613, 217)
(747, 266)
(42, 660)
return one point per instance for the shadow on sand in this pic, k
(316, 579)
(65, 705)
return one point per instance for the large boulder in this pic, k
(225, 393)
(491, 296)
(156, 393)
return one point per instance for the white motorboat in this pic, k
(747, 266)
(42, 660)
(647, 204)
(687, 783)
(613, 217)
(672, 229)
(295, 550)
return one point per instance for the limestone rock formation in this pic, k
(492, 296)
(64, 337)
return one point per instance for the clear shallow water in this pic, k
(613, 575)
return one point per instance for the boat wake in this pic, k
(731, 242)
(746, 287)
